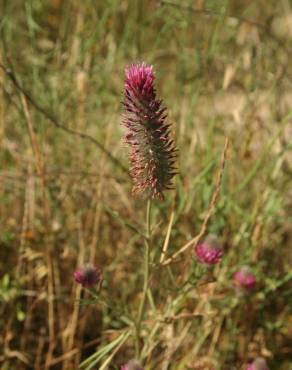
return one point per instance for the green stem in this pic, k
(146, 277)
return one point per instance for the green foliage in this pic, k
(222, 71)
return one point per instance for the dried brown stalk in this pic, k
(193, 242)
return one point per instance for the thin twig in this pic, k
(166, 241)
(183, 315)
(56, 122)
(210, 210)
(40, 168)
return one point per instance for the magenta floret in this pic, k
(88, 275)
(209, 251)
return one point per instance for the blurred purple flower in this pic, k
(88, 275)
(132, 365)
(244, 278)
(152, 151)
(258, 364)
(209, 251)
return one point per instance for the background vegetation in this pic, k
(224, 70)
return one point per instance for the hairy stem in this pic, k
(146, 277)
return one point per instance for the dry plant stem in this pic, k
(215, 195)
(166, 241)
(73, 323)
(146, 277)
(41, 173)
(98, 205)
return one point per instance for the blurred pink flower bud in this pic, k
(244, 278)
(132, 365)
(258, 364)
(88, 275)
(209, 251)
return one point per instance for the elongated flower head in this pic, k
(258, 364)
(132, 365)
(152, 151)
(209, 251)
(88, 276)
(244, 278)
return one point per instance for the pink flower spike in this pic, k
(88, 275)
(152, 151)
(209, 251)
(244, 278)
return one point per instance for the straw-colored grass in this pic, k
(223, 69)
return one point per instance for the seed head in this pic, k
(132, 365)
(209, 251)
(258, 364)
(88, 275)
(244, 278)
(152, 151)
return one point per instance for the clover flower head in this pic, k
(132, 365)
(244, 278)
(152, 151)
(88, 275)
(258, 364)
(209, 251)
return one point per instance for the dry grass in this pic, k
(224, 70)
